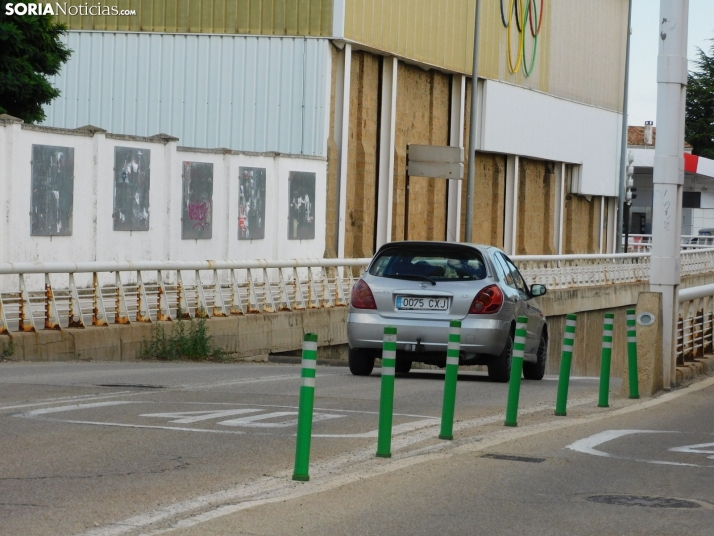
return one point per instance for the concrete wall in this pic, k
(93, 237)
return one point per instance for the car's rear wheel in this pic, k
(499, 369)
(536, 371)
(361, 361)
(403, 366)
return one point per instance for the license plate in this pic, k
(413, 303)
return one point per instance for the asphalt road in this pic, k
(145, 448)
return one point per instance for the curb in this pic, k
(703, 365)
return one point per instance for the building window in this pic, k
(691, 199)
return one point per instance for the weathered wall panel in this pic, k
(244, 93)
(536, 207)
(423, 118)
(265, 17)
(363, 151)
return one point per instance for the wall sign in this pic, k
(197, 213)
(131, 189)
(52, 191)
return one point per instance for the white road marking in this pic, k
(252, 421)
(49, 401)
(121, 425)
(588, 444)
(60, 409)
(281, 377)
(696, 449)
(188, 417)
(398, 429)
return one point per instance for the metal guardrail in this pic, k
(153, 290)
(232, 288)
(695, 323)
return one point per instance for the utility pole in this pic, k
(621, 195)
(665, 267)
(471, 177)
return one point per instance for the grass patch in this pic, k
(187, 340)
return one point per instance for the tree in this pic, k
(30, 51)
(699, 131)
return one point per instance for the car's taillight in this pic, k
(488, 300)
(362, 297)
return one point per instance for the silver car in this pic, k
(419, 287)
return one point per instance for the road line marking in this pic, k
(60, 409)
(49, 401)
(179, 428)
(588, 444)
(188, 417)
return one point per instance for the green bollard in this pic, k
(565, 363)
(307, 399)
(386, 399)
(450, 379)
(605, 363)
(632, 354)
(514, 387)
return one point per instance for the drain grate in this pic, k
(132, 385)
(510, 458)
(643, 501)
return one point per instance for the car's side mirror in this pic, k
(538, 290)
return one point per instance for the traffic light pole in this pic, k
(665, 261)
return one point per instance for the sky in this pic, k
(644, 43)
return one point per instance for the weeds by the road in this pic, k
(8, 349)
(187, 340)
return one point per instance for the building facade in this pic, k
(351, 83)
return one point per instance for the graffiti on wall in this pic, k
(52, 190)
(301, 216)
(251, 203)
(131, 189)
(197, 216)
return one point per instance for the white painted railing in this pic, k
(146, 291)
(640, 243)
(695, 323)
(61, 295)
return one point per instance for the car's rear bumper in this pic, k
(479, 335)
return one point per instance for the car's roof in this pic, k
(432, 243)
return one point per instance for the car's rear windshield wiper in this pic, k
(412, 276)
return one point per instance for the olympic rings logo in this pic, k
(531, 16)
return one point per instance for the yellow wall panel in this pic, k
(580, 52)
(262, 17)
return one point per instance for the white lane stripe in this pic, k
(308, 382)
(49, 401)
(282, 377)
(123, 425)
(588, 444)
(309, 363)
(388, 371)
(60, 409)
(309, 346)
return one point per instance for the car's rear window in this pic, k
(438, 265)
